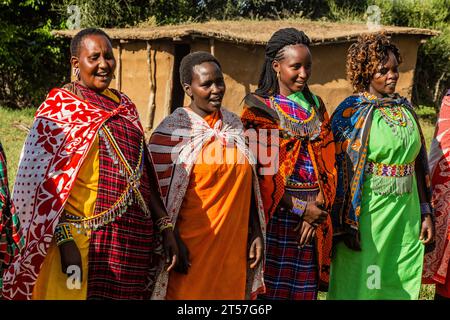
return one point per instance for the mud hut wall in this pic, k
(135, 77)
(163, 70)
(408, 46)
(328, 79)
(241, 65)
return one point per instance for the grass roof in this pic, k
(253, 32)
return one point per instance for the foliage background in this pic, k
(32, 61)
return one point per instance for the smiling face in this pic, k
(207, 88)
(96, 62)
(294, 69)
(384, 81)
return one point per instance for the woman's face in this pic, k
(385, 79)
(96, 62)
(206, 89)
(294, 70)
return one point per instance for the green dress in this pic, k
(389, 265)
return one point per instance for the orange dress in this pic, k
(213, 223)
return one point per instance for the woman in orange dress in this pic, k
(208, 181)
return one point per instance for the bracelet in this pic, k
(299, 207)
(164, 223)
(63, 233)
(425, 209)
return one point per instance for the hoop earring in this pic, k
(76, 73)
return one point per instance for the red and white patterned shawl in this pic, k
(175, 145)
(437, 262)
(58, 143)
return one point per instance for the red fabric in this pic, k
(436, 263)
(63, 130)
(322, 153)
(121, 252)
(444, 289)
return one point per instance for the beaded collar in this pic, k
(297, 116)
(393, 112)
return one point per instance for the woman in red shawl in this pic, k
(87, 193)
(436, 265)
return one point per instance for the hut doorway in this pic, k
(181, 50)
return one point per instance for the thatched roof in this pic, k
(253, 32)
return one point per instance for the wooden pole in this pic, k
(169, 88)
(119, 67)
(151, 59)
(211, 46)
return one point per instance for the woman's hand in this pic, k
(427, 230)
(170, 248)
(307, 233)
(313, 214)
(256, 250)
(183, 262)
(70, 256)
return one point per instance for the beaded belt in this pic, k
(302, 185)
(390, 170)
(394, 179)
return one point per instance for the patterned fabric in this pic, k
(121, 266)
(175, 145)
(296, 115)
(291, 108)
(11, 240)
(262, 118)
(389, 227)
(304, 170)
(436, 266)
(290, 273)
(393, 170)
(63, 131)
(351, 123)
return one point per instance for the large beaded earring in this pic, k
(76, 73)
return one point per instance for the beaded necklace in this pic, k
(396, 118)
(129, 195)
(308, 128)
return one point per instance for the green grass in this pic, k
(13, 138)
(426, 293)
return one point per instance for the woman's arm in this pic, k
(162, 220)
(427, 228)
(256, 242)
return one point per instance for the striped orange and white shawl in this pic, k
(174, 146)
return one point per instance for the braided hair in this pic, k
(275, 48)
(75, 44)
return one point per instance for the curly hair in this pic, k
(364, 57)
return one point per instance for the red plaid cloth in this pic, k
(290, 273)
(121, 256)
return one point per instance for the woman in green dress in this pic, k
(382, 218)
